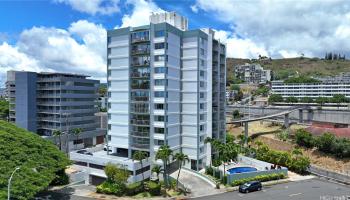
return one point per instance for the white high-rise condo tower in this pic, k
(166, 85)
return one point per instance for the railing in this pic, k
(140, 146)
(139, 134)
(141, 39)
(137, 52)
(134, 98)
(140, 86)
(139, 122)
(140, 75)
(144, 63)
(139, 110)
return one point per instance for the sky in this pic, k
(70, 35)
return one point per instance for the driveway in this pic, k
(196, 184)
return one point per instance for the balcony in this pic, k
(137, 63)
(140, 75)
(140, 146)
(139, 51)
(139, 134)
(143, 86)
(139, 122)
(139, 110)
(136, 98)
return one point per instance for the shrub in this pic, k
(154, 188)
(283, 135)
(261, 178)
(304, 138)
(134, 188)
(209, 170)
(108, 187)
(325, 142)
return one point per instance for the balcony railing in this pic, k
(139, 134)
(140, 39)
(140, 75)
(141, 63)
(140, 51)
(139, 122)
(139, 109)
(143, 86)
(134, 98)
(140, 146)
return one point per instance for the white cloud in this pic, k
(80, 49)
(140, 14)
(239, 47)
(103, 7)
(285, 28)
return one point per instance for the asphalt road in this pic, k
(312, 189)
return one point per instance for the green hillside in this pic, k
(291, 66)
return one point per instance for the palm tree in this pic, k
(58, 134)
(181, 158)
(157, 169)
(164, 154)
(139, 156)
(77, 132)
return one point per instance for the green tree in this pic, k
(238, 96)
(77, 132)
(164, 153)
(102, 90)
(275, 98)
(306, 100)
(157, 169)
(40, 162)
(262, 90)
(339, 98)
(58, 134)
(236, 114)
(181, 160)
(325, 142)
(322, 100)
(304, 138)
(116, 174)
(235, 87)
(292, 100)
(4, 109)
(140, 156)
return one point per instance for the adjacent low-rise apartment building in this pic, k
(48, 101)
(327, 87)
(166, 86)
(252, 73)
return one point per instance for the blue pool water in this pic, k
(241, 170)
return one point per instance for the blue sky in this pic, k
(70, 35)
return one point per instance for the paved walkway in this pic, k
(196, 184)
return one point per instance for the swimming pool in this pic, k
(241, 170)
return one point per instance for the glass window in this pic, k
(201, 83)
(201, 105)
(201, 95)
(160, 70)
(160, 33)
(201, 127)
(202, 52)
(201, 73)
(159, 82)
(159, 94)
(159, 118)
(159, 106)
(159, 45)
(201, 117)
(159, 130)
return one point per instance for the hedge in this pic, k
(261, 178)
(111, 188)
(134, 188)
(153, 188)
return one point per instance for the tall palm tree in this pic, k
(164, 152)
(139, 156)
(157, 169)
(58, 134)
(77, 132)
(181, 158)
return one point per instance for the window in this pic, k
(201, 95)
(159, 94)
(160, 33)
(159, 118)
(201, 73)
(201, 117)
(202, 52)
(159, 82)
(109, 116)
(202, 62)
(201, 127)
(201, 150)
(159, 45)
(109, 72)
(159, 130)
(159, 142)
(160, 70)
(201, 83)
(159, 58)
(201, 138)
(201, 105)
(159, 106)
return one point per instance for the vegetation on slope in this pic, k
(4, 109)
(283, 68)
(40, 162)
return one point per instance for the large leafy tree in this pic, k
(157, 169)
(58, 134)
(4, 109)
(39, 160)
(164, 153)
(181, 158)
(140, 156)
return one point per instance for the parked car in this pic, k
(85, 152)
(105, 148)
(250, 187)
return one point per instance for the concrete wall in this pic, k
(344, 178)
